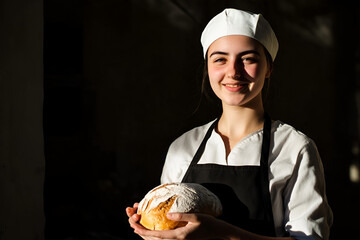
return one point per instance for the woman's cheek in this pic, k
(252, 71)
(216, 73)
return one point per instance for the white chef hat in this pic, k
(237, 22)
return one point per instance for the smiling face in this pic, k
(237, 68)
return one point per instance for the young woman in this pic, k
(268, 175)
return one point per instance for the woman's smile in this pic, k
(235, 87)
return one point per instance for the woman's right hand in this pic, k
(131, 212)
(134, 219)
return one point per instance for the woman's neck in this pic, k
(237, 122)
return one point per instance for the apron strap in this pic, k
(265, 148)
(264, 166)
(201, 148)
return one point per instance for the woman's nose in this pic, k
(234, 71)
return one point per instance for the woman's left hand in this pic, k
(199, 226)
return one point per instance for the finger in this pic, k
(160, 234)
(134, 219)
(144, 232)
(182, 217)
(148, 237)
(131, 210)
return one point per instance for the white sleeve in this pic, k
(174, 167)
(307, 214)
(180, 154)
(178, 159)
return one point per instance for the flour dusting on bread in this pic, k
(176, 197)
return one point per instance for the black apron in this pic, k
(242, 190)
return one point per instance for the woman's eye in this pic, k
(220, 60)
(249, 60)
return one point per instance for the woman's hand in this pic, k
(199, 226)
(134, 218)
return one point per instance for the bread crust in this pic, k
(175, 197)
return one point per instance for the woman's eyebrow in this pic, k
(240, 54)
(248, 52)
(218, 52)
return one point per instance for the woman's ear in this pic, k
(269, 71)
(270, 63)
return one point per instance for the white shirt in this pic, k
(296, 176)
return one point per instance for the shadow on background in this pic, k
(122, 81)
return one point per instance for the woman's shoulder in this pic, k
(284, 129)
(193, 135)
(285, 134)
(181, 152)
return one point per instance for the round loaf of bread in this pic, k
(176, 197)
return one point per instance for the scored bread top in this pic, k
(189, 197)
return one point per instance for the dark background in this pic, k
(121, 80)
